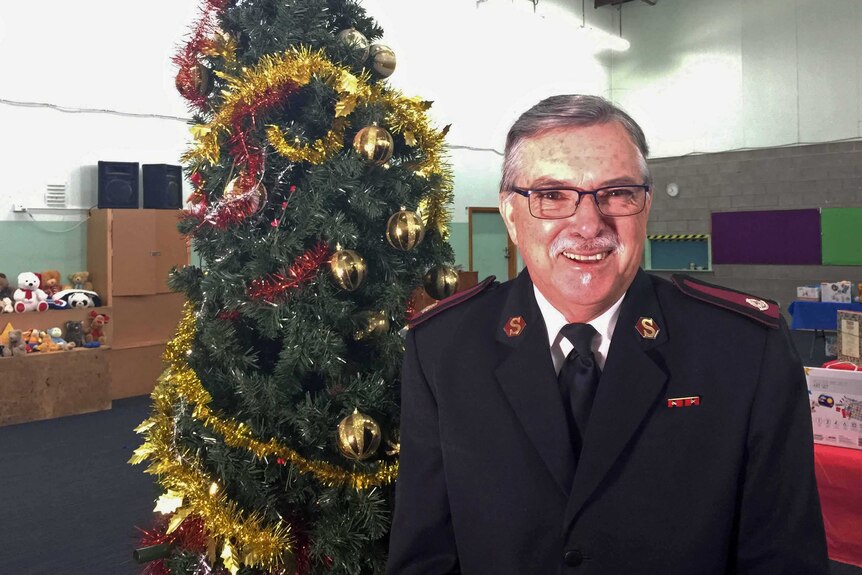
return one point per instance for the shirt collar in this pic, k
(554, 322)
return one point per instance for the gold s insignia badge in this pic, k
(514, 326)
(758, 303)
(647, 327)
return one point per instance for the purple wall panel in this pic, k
(779, 237)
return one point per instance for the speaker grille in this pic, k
(163, 186)
(118, 185)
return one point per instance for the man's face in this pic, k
(584, 263)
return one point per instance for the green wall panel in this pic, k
(39, 246)
(459, 239)
(842, 236)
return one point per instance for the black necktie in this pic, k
(578, 380)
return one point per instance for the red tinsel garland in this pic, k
(190, 536)
(187, 58)
(303, 269)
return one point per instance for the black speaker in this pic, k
(163, 186)
(118, 184)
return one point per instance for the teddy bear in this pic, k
(6, 305)
(51, 282)
(57, 343)
(28, 296)
(80, 280)
(5, 289)
(95, 331)
(74, 332)
(16, 342)
(5, 351)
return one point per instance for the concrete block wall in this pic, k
(793, 177)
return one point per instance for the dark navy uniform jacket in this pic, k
(721, 484)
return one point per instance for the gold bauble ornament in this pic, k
(348, 269)
(382, 59)
(200, 81)
(371, 324)
(405, 230)
(356, 41)
(440, 282)
(374, 144)
(358, 436)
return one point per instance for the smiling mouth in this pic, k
(582, 258)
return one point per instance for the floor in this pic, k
(70, 501)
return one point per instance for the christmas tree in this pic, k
(319, 208)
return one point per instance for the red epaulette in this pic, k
(449, 302)
(761, 310)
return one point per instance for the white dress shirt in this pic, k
(560, 346)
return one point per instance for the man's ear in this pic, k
(507, 212)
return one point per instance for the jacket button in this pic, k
(573, 557)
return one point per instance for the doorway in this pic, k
(491, 250)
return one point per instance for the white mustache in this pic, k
(599, 244)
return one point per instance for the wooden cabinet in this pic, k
(130, 254)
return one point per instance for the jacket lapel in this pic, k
(526, 375)
(629, 386)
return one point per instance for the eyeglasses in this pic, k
(612, 201)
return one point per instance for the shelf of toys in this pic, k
(44, 376)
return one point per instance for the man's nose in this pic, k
(588, 220)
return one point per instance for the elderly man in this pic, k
(587, 417)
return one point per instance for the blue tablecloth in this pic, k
(817, 314)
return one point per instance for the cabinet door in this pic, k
(172, 248)
(133, 252)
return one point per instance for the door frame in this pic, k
(513, 249)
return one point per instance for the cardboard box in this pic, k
(836, 406)
(849, 343)
(808, 293)
(838, 292)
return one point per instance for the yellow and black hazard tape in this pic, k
(677, 237)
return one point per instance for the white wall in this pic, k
(481, 64)
(96, 54)
(708, 75)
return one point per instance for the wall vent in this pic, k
(55, 196)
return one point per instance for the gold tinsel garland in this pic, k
(257, 545)
(181, 381)
(406, 116)
(242, 533)
(273, 72)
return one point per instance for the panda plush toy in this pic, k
(78, 298)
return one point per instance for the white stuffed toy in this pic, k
(28, 296)
(80, 299)
(6, 305)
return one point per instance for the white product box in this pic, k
(836, 406)
(808, 293)
(838, 292)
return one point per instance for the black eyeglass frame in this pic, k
(581, 193)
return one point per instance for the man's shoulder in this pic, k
(454, 308)
(703, 296)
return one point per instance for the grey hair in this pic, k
(566, 111)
